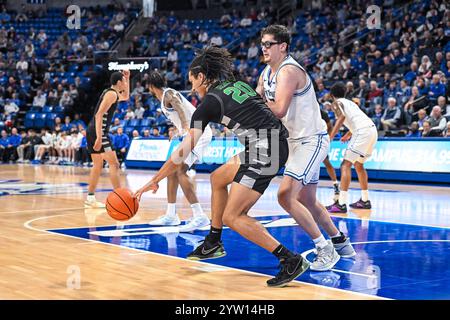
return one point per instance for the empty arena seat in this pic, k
(39, 121)
(47, 109)
(29, 119)
(134, 123)
(128, 130)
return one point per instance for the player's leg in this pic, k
(199, 218)
(332, 174)
(171, 217)
(346, 176)
(341, 243)
(114, 167)
(96, 171)
(219, 179)
(20, 152)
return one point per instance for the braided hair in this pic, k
(215, 63)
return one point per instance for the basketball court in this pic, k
(53, 248)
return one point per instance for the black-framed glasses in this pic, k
(268, 44)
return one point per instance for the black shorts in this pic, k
(257, 176)
(91, 136)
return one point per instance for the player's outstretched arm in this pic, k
(288, 79)
(177, 158)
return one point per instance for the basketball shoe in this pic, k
(207, 250)
(166, 220)
(325, 259)
(360, 204)
(195, 223)
(290, 269)
(92, 203)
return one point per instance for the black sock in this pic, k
(282, 253)
(340, 239)
(214, 235)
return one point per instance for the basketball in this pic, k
(121, 205)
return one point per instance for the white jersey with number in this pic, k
(303, 116)
(355, 118)
(174, 117)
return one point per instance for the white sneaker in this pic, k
(325, 259)
(94, 204)
(166, 220)
(197, 222)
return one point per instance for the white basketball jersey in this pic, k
(173, 115)
(355, 118)
(303, 116)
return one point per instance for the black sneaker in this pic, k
(207, 251)
(360, 204)
(291, 268)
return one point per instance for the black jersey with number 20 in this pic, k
(237, 106)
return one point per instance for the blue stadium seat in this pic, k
(39, 121)
(134, 123)
(128, 130)
(29, 119)
(147, 122)
(47, 109)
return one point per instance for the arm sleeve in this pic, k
(208, 111)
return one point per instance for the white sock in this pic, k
(320, 242)
(365, 195)
(335, 182)
(343, 197)
(171, 209)
(197, 209)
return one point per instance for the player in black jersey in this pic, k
(237, 106)
(98, 143)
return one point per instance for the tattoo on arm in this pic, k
(175, 101)
(336, 106)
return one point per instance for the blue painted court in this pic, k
(397, 261)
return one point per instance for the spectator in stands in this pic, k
(66, 100)
(216, 40)
(374, 92)
(130, 114)
(253, 51)
(24, 146)
(146, 133)
(11, 109)
(426, 129)
(172, 57)
(436, 89)
(139, 111)
(155, 133)
(203, 36)
(362, 91)
(138, 89)
(22, 64)
(77, 121)
(422, 117)
(44, 147)
(413, 130)
(116, 124)
(135, 134)
(425, 68)
(13, 142)
(3, 145)
(412, 74)
(445, 134)
(377, 115)
(121, 144)
(391, 117)
(350, 93)
(404, 92)
(67, 126)
(437, 121)
(445, 108)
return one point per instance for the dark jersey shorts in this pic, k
(91, 136)
(257, 176)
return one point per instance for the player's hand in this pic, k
(98, 144)
(126, 73)
(345, 139)
(151, 186)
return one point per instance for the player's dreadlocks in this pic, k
(215, 63)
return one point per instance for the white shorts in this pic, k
(202, 144)
(305, 157)
(361, 145)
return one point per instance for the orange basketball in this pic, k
(121, 205)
